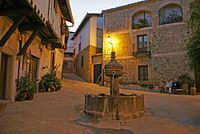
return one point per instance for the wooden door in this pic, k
(34, 69)
(97, 73)
(3, 75)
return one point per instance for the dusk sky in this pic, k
(81, 7)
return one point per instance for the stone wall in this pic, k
(85, 70)
(166, 43)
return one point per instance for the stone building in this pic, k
(149, 38)
(32, 35)
(88, 40)
(68, 63)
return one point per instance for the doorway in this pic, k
(97, 73)
(34, 70)
(3, 75)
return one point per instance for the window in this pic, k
(52, 60)
(142, 19)
(142, 43)
(81, 61)
(99, 40)
(79, 46)
(143, 73)
(55, 5)
(170, 14)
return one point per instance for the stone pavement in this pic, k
(62, 113)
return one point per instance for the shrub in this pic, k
(41, 84)
(143, 85)
(150, 86)
(185, 78)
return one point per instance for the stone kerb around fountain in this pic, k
(115, 106)
(105, 106)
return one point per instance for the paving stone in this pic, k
(62, 113)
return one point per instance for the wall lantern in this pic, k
(109, 40)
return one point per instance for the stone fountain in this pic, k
(115, 106)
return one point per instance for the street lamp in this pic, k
(110, 41)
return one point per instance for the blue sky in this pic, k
(81, 7)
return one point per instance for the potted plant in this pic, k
(30, 93)
(173, 17)
(41, 86)
(50, 81)
(21, 96)
(185, 78)
(24, 87)
(186, 82)
(141, 23)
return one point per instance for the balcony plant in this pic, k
(141, 23)
(173, 17)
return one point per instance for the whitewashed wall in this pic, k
(83, 37)
(70, 43)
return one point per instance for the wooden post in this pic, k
(28, 42)
(11, 30)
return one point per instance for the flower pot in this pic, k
(22, 96)
(30, 97)
(42, 90)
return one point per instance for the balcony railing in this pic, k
(98, 50)
(142, 53)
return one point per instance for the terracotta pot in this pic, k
(30, 97)
(42, 90)
(23, 98)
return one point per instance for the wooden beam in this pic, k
(24, 28)
(11, 30)
(28, 42)
(46, 41)
(15, 12)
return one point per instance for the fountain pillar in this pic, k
(114, 70)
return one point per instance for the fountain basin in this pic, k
(114, 107)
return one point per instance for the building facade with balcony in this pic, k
(149, 39)
(68, 63)
(88, 40)
(32, 39)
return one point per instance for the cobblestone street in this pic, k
(62, 113)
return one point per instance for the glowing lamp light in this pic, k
(108, 39)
